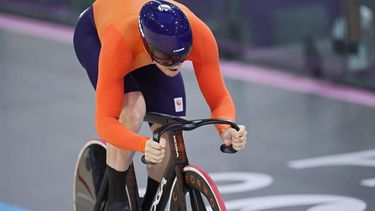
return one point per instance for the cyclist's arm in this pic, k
(114, 62)
(208, 73)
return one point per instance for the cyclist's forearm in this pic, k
(225, 110)
(118, 135)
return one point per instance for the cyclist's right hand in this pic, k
(154, 151)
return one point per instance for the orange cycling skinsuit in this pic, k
(108, 43)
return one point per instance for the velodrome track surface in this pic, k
(311, 144)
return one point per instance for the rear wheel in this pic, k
(202, 192)
(88, 176)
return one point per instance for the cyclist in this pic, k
(132, 51)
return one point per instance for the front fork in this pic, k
(177, 197)
(179, 191)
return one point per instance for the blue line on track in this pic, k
(8, 207)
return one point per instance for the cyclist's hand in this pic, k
(234, 137)
(154, 152)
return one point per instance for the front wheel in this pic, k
(203, 193)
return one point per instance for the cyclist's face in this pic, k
(169, 71)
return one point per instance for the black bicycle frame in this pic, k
(173, 127)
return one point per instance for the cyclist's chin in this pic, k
(169, 71)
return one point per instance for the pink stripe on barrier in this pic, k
(274, 78)
(233, 70)
(36, 28)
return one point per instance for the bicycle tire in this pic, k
(199, 183)
(88, 174)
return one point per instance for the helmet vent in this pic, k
(164, 8)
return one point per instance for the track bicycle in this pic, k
(180, 180)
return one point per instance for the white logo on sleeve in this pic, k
(178, 104)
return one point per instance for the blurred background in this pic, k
(301, 73)
(330, 40)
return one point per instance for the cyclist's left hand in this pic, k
(234, 137)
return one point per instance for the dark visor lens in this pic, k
(165, 59)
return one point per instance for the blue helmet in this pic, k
(166, 32)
